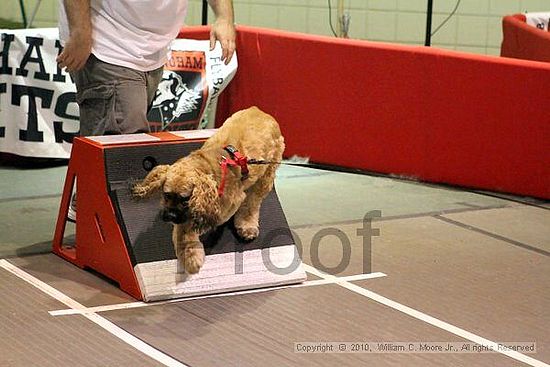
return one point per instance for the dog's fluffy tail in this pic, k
(150, 184)
(134, 186)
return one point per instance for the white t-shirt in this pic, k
(131, 33)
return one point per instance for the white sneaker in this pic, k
(71, 213)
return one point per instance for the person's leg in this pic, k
(112, 99)
(153, 79)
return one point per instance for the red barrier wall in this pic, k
(436, 115)
(523, 41)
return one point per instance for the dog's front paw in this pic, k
(193, 259)
(248, 233)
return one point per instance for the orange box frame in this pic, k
(99, 242)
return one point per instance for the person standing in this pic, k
(115, 50)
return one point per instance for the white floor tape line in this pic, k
(97, 319)
(427, 318)
(129, 305)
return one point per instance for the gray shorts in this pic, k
(114, 99)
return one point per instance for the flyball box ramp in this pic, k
(125, 239)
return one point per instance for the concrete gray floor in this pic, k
(478, 262)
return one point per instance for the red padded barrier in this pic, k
(437, 115)
(523, 41)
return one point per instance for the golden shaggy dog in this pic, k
(190, 187)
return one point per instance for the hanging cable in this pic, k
(447, 19)
(330, 19)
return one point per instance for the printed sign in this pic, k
(539, 20)
(182, 92)
(193, 78)
(38, 110)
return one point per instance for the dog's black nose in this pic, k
(172, 216)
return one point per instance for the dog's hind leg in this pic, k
(189, 249)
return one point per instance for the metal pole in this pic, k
(429, 14)
(204, 12)
(340, 16)
(33, 14)
(23, 14)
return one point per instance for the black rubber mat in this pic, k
(150, 239)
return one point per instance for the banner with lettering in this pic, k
(38, 109)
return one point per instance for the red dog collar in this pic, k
(240, 159)
(236, 160)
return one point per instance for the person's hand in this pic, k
(76, 51)
(224, 32)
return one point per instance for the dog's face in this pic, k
(175, 207)
(177, 192)
(188, 196)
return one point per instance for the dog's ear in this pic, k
(204, 204)
(151, 183)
